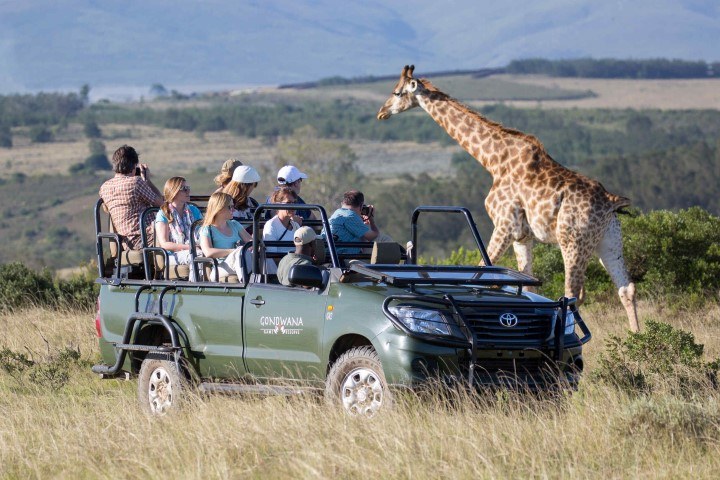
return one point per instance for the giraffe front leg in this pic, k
(524, 255)
(499, 242)
(611, 257)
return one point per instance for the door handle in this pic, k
(257, 301)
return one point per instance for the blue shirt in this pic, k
(347, 226)
(220, 240)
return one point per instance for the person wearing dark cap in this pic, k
(304, 254)
(291, 177)
(226, 173)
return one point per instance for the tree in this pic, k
(85, 94)
(330, 164)
(5, 137)
(98, 158)
(40, 134)
(91, 128)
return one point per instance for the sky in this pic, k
(126, 46)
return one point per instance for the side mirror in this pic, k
(306, 276)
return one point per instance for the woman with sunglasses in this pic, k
(173, 221)
(220, 235)
(281, 226)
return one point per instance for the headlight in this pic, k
(569, 323)
(422, 321)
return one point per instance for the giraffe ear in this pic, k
(413, 85)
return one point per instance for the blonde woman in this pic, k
(226, 173)
(221, 236)
(173, 221)
(244, 180)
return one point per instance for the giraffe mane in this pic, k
(469, 111)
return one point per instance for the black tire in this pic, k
(161, 386)
(356, 383)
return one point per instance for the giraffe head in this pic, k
(403, 97)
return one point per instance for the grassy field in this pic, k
(92, 428)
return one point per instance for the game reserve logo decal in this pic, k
(281, 325)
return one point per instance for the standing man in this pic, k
(128, 194)
(355, 222)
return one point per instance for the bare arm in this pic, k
(212, 252)
(162, 230)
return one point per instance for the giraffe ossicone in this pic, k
(532, 197)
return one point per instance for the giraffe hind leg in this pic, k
(611, 257)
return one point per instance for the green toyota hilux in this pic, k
(357, 327)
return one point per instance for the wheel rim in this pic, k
(362, 392)
(160, 394)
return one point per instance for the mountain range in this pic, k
(183, 44)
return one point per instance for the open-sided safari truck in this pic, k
(357, 327)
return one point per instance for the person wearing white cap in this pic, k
(243, 182)
(290, 176)
(304, 254)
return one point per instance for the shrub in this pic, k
(674, 253)
(659, 357)
(40, 134)
(21, 287)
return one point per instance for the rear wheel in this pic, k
(357, 382)
(160, 385)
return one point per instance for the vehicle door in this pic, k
(283, 328)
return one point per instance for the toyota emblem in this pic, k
(508, 320)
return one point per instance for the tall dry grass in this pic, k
(92, 428)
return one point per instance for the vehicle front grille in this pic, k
(532, 326)
(527, 371)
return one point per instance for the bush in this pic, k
(659, 357)
(40, 134)
(674, 253)
(98, 161)
(21, 287)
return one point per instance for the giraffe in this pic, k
(532, 197)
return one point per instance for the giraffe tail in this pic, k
(618, 203)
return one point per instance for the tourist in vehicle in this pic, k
(304, 254)
(226, 173)
(244, 181)
(220, 236)
(128, 194)
(289, 176)
(355, 222)
(280, 227)
(173, 221)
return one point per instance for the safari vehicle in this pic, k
(358, 327)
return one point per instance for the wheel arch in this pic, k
(343, 344)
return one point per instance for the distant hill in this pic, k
(61, 45)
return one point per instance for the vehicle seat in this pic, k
(386, 253)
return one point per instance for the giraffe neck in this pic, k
(479, 136)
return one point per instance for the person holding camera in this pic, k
(354, 222)
(128, 194)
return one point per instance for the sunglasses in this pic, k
(186, 188)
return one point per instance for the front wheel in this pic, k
(160, 385)
(357, 382)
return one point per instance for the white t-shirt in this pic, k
(274, 231)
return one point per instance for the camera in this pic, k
(138, 171)
(366, 210)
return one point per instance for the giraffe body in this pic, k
(532, 197)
